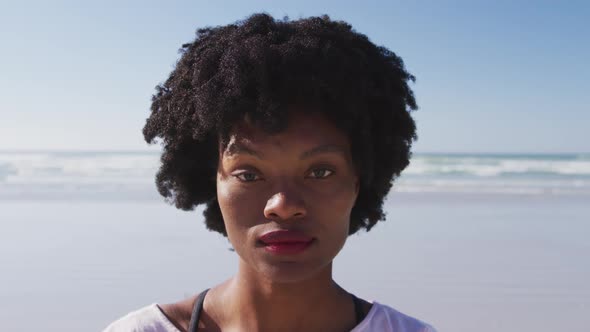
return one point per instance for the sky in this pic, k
(492, 76)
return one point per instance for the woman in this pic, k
(291, 133)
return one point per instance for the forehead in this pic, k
(304, 130)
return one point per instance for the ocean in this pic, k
(118, 175)
(472, 242)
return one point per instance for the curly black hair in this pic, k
(257, 67)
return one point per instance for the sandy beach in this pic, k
(461, 262)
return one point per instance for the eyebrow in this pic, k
(328, 148)
(235, 148)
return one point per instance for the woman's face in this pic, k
(286, 198)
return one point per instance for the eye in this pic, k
(320, 173)
(247, 177)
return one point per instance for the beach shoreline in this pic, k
(509, 262)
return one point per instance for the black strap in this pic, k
(198, 308)
(358, 309)
(194, 324)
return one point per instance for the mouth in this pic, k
(285, 242)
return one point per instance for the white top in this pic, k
(380, 318)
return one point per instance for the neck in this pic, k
(303, 305)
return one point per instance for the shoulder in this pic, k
(147, 319)
(384, 318)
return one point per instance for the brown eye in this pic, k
(321, 173)
(247, 177)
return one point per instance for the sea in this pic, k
(129, 175)
(471, 242)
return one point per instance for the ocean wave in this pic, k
(77, 167)
(498, 186)
(502, 166)
(119, 175)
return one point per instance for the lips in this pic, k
(286, 242)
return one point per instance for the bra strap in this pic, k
(194, 324)
(358, 309)
(198, 308)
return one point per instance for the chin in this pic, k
(291, 272)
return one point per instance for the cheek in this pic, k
(334, 208)
(336, 199)
(237, 210)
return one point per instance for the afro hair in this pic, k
(257, 67)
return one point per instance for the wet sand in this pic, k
(478, 262)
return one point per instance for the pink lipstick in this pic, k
(285, 242)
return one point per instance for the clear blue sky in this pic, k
(496, 76)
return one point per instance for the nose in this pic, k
(285, 204)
